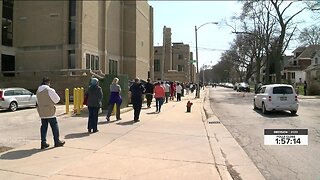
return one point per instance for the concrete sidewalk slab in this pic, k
(172, 144)
(39, 163)
(110, 166)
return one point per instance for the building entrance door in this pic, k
(7, 64)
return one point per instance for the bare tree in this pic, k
(310, 36)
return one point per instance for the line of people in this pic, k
(161, 91)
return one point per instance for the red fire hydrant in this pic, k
(189, 104)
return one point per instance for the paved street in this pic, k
(19, 127)
(247, 127)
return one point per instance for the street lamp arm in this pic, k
(242, 32)
(206, 24)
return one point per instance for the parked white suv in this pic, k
(276, 97)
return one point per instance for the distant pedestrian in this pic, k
(149, 92)
(167, 91)
(179, 91)
(172, 91)
(183, 88)
(187, 88)
(159, 94)
(46, 100)
(305, 86)
(94, 102)
(114, 99)
(136, 98)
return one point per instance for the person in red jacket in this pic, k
(159, 94)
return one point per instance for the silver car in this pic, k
(14, 98)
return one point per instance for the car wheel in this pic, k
(13, 106)
(293, 112)
(254, 105)
(264, 111)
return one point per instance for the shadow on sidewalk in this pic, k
(107, 122)
(126, 123)
(152, 113)
(76, 135)
(19, 154)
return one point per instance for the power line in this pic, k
(209, 49)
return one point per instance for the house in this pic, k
(313, 74)
(272, 76)
(294, 72)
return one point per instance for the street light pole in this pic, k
(198, 75)
(203, 68)
(198, 78)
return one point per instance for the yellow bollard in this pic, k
(114, 110)
(78, 100)
(74, 100)
(67, 100)
(81, 97)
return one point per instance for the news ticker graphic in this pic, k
(286, 137)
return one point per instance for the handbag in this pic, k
(85, 99)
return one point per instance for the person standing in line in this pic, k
(159, 94)
(191, 87)
(187, 88)
(46, 100)
(149, 92)
(179, 91)
(305, 86)
(94, 102)
(182, 90)
(172, 90)
(114, 99)
(167, 91)
(136, 98)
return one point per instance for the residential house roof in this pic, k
(299, 49)
(309, 52)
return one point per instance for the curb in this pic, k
(220, 164)
(224, 146)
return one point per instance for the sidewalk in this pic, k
(308, 97)
(170, 145)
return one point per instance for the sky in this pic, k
(183, 16)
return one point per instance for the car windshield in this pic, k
(282, 90)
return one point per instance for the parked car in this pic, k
(243, 87)
(276, 97)
(14, 98)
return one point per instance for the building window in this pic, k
(157, 65)
(88, 61)
(113, 67)
(293, 75)
(92, 62)
(294, 63)
(72, 21)
(180, 56)
(96, 62)
(180, 68)
(7, 28)
(71, 59)
(316, 60)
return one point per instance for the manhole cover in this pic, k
(214, 122)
